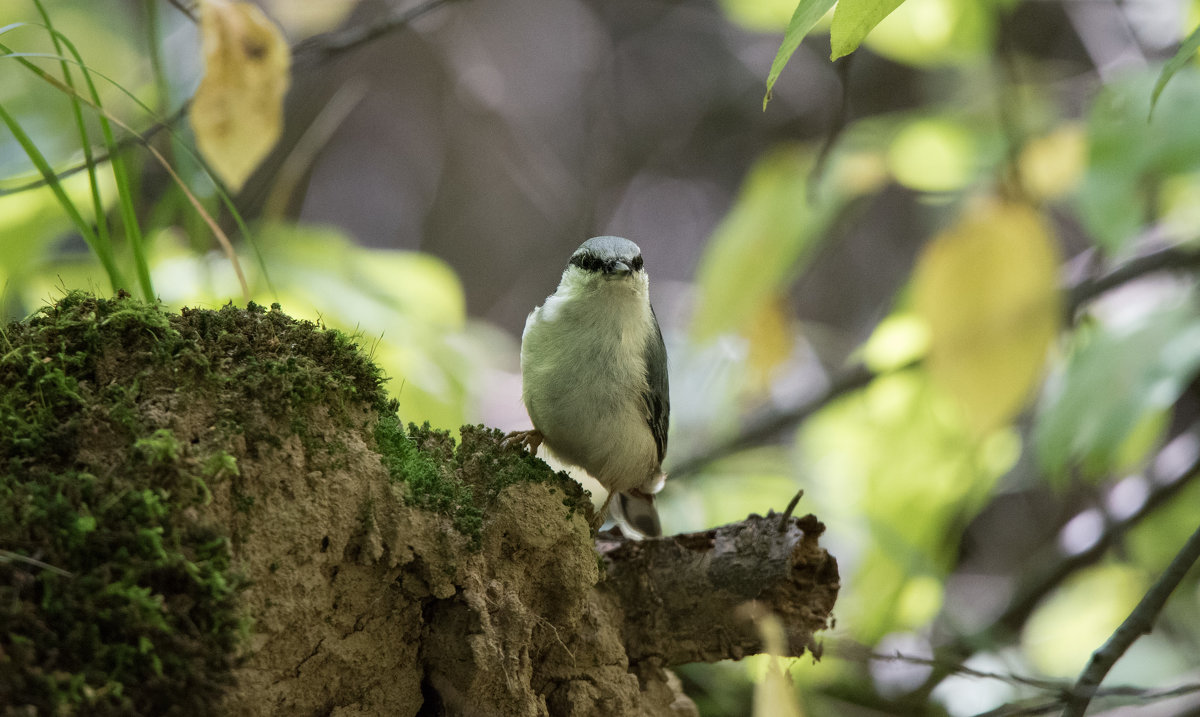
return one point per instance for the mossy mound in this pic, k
(119, 583)
(219, 512)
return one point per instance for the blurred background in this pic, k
(431, 183)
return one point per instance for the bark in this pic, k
(680, 595)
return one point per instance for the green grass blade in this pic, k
(133, 230)
(178, 141)
(39, 160)
(103, 238)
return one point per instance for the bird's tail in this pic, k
(635, 513)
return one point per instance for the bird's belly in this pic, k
(606, 435)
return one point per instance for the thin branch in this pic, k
(333, 43)
(841, 120)
(1144, 696)
(862, 654)
(186, 11)
(770, 426)
(787, 513)
(1008, 107)
(1020, 608)
(1139, 623)
(1169, 259)
(103, 157)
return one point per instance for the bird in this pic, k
(594, 379)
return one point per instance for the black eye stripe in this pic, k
(587, 262)
(590, 262)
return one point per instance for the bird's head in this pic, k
(607, 258)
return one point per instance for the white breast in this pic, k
(583, 370)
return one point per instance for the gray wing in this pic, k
(658, 396)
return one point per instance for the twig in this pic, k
(102, 157)
(856, 652)
(1139, 623)
(787, 513)
(840, 121)
(1145, 696)
(1013, 617)
(186, 11)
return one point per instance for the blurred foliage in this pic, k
(1130, 157)
(761, 246)
(988, 289)
(1115, 380)
(1011, 423)
(897, 504)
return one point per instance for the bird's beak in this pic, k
(620, 268)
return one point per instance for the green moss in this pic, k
(137, 612)
(429, 485)
(159, 448)
(220, 463)
(462, 482)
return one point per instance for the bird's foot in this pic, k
(601, 514)
(530, 440)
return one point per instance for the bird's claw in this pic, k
(529, 440)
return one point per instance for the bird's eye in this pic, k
(636, 263)
(587, 262)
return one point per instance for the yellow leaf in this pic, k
(771, 337)
(775, 695)
(988, 289)
(1051, 165)
(237, 113)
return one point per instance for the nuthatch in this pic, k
(594, 378)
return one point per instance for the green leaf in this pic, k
(1128, 158)
(806, 15)
(1186, 51)
(853, 19)
(1110, 386)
